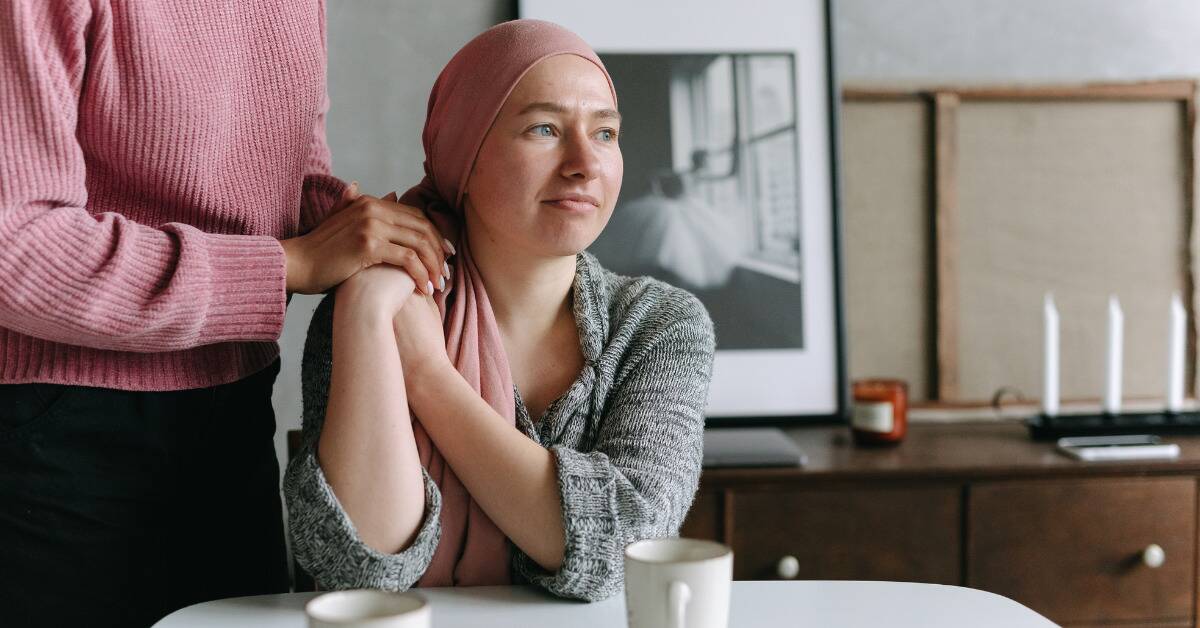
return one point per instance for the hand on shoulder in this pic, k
(365, 232)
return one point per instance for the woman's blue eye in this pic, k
(543, 130)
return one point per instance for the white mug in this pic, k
(677, 583)
(367, 608)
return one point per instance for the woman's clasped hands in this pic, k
(387, 293)
(405, 263)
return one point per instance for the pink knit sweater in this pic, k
(152, 153)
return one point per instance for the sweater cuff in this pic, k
(320, 195)
(248, 284)
(594, 551)
(326, 543)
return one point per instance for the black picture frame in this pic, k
(610, 32)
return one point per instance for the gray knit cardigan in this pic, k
(626, 436)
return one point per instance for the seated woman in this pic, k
(536, 415)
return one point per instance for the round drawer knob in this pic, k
(1154, 556)
(788, 567)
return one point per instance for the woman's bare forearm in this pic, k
(367, 450)
(512, 478)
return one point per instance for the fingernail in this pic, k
(446, 269)
(429, 288)
(449, 247)
(441, 284)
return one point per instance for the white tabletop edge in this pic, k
(834, 603)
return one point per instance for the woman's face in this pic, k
(549, 170)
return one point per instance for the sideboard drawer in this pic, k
(909, 534)
(1076, 550)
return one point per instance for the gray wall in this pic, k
(1004, 41)
(385, 54)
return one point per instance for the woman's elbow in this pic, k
(602, 588)
(550, 559)
(592, 578)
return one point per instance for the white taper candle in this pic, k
(1049, 357)
(1116, 337)
(1175, 352)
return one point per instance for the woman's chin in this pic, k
(563, 243)
(566, 250)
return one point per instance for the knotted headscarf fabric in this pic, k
(463, 105)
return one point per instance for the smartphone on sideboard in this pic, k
(1122, 447)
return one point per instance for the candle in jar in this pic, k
(1175, 352)
(1050, 357)
(1112, 371)
(880, 412)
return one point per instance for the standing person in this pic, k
(158, 163)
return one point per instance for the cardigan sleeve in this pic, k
(324, 539)
(104, 281)
(639, 479)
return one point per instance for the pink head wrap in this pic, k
(463, 104)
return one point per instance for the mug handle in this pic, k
(678, 595)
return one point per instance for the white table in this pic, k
(754, 604)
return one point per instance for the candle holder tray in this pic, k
(1042, 427)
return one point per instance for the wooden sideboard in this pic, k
(978, 505)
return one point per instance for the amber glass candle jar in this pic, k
(880, 411)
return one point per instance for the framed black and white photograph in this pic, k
(729, 191)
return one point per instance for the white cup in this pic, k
(677, 583)
(367, 608)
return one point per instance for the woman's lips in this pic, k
(574, 203)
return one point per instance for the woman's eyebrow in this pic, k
(551, 107)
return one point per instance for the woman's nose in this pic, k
(580, 158)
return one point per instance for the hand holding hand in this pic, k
(366, 232)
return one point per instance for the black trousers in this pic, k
(119, 507)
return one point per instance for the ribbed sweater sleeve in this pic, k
(322, 190)
(104, 281)
(639, 479)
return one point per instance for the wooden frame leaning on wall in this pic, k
(944, 105)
